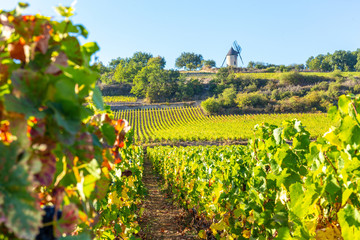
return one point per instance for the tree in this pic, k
(127, 69)
(154, 82)
(313, 64)
(125, 73)
(115, 62)
(357, 66)
(209, 63)
(189, 61)
(163, 85)
(251, 64)
(343, 60)
(141, 57)
(160, 61)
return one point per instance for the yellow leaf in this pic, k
(246, 233)
(131, 181)
(202, 234)
(219, 226)
(329, 233)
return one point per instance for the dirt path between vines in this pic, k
(161, 219)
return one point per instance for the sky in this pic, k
(278, 31)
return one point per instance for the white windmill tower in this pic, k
(232, 56)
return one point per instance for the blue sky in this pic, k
(278, 31)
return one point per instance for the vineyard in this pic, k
(70, 169)
(114, 99)
(190, 124)
(270, 189)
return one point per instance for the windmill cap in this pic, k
(232, 52)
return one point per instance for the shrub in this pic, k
(320, 86)
(291, 78)
(356, 89)
(312, 100)
(256, 99)
(334, 90)
(251, 88)
(293, 104)
(337, 75)
(270, 69)
(211, 105)
(227, 98)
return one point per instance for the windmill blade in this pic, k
(223, 62)
(237, 47)
(241, 59)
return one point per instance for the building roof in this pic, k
(232, 52)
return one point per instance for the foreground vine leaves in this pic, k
(61, 152)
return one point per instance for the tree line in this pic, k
(345, 61)
(124, 70)
(148, 78)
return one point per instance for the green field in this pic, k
(190, 124)
(112, 99)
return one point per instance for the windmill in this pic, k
(231, 57)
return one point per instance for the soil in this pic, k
(162, 219)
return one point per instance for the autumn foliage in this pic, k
(59, 151)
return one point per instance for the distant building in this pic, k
(231, 58)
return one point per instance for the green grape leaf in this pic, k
(332, 185)
(83, 30)
(283, 234)
(349, 219)
(72, 49)
(301, 201)
(286, 158)
(66, 115)
(65, 11)
(97, 98)
(333, 113)
(343, 104)
(221, 225)
(94, 168)
(22, 216)
(89, 185)
(109, 133)
(345, 196)
(277, 135)
(88, 49)
(14, 104)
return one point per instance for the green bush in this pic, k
(320, 86)
(295, 78)
(210, 105)
(337, 75)
(251, 88)
(293, 104)
(356, 89)
(313, 101)
(334, 90)
(291, 78)
(227, 98)
(270, 69)
(245, 100)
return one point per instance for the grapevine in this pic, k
(271, 189)
(61, 152)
